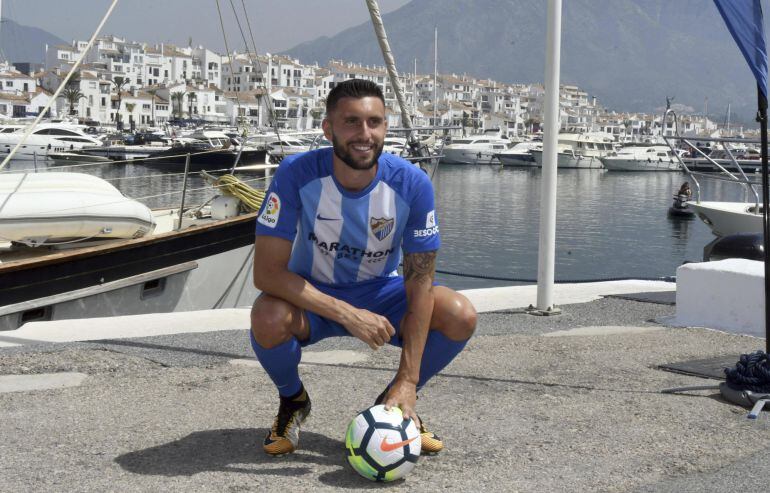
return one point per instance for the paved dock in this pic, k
(575, 402)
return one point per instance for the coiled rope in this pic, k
(251, 198)
(752, 373)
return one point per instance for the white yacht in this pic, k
(580, 150)
(286, 146)
(47, 138)
(480, 149)
(520, 154)
(729, 218)
(642, 158)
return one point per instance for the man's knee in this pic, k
(457, 319)
(271, 320)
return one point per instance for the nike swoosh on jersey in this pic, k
(321, 218)
(386, 446)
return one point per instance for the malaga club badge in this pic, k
(381, 226)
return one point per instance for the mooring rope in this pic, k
(752, 373)
(561, 281)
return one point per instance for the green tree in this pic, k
(130, 108)
(120, 83)
(177, 100)
(72, 95)
(191, 98)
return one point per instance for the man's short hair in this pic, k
(352, 88)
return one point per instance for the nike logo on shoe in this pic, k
(321, 218)
(386, 446)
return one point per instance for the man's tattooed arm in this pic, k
(420, 267)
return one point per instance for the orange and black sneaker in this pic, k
(283, 438)
(431, 443)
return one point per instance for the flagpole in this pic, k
(547, 245)
(762, 119)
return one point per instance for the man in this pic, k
(329, 238)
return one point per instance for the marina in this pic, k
(610, 319)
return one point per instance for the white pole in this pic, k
(547, 247)
(435, 75)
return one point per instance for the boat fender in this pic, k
(742, 245)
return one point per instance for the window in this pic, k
(9, 83)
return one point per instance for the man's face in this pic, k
(356, 129)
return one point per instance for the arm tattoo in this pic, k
(420, 266)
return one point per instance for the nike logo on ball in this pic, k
(389, 447)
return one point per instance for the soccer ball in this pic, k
(382, 445)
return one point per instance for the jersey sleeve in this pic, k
(280, 210)
(421, 233)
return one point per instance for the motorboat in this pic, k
(207, 149)
(580, 150)
(46, 138)
(286, 146)
(394, 145)
(642, 158)
(747, 159)
(480, 149)
(729, 218)
(724, 217)
(520, 154)
(73, 246)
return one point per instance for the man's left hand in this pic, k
(403, 395)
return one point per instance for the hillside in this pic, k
(19, 43)
(630, 54)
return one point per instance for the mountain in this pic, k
(20, 43)
(630, 54)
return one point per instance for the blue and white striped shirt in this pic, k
(343, 237)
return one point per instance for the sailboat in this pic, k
(72, 246)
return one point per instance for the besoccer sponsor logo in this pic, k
(430, 226)
(430, 221)
(269, 216)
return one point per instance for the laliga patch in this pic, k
(269, 216)
(381, 226)
(430, 221)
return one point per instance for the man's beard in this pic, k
(346, 158)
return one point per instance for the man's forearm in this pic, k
(419, 270)
(287, 285)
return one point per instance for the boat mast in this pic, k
(435, 75)
(390, 64)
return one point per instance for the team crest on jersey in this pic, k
(381, 226)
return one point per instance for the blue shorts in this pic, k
(383, 296)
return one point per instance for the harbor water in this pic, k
(608, 224)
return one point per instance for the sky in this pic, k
(277, 25)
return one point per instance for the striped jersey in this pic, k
(343, 237)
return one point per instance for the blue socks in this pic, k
(281, 364)
(439, 352)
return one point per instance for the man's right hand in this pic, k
(373, 329)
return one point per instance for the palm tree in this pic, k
(177, 99)
(120, 83)
(72, 94)
(152, 92)
(130, 108)
(191, 97)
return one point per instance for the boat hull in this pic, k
(468, 156)
(728, 218)
(569, 160)
(518, 160)
(615, 164)
(204, 267)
